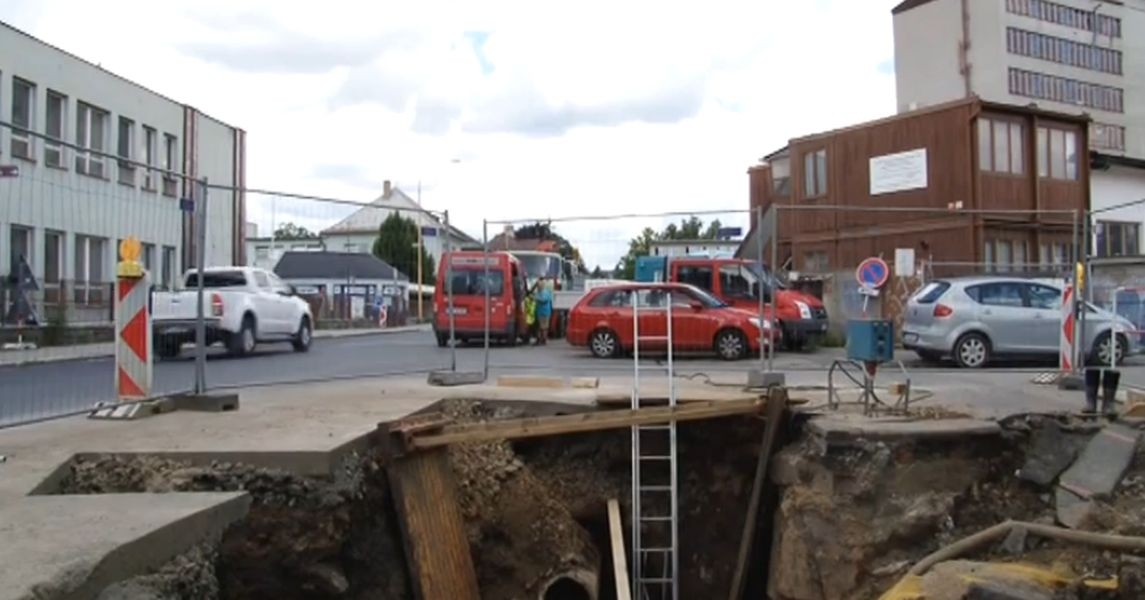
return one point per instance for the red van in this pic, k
(506, 290)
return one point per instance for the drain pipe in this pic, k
(577, 584)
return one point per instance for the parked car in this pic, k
(977, 319)
(243, 306)
(603, 321)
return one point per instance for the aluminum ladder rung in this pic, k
(657, 519)
(656, 488)
(653, 338)
(664, 550)
(656, 580)
(654, 427)
(652, 457)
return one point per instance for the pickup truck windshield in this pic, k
(217, 279)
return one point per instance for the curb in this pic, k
(110, 352)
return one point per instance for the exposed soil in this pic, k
(851, 522)
(303, 538)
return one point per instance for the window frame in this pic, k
(125, 166)
(22, 143)
(1057, 168)
(1129, 235)
(170, 158)
(815, 170)
(92, 159)
(150, 157)
(1001, 130)
(55, 152)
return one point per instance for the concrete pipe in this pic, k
(579, 584)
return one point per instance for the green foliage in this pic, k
(597, 272)
(692, 228)
(397, 245)
(290, 231)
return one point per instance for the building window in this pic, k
(1052, 12)
(53, 266)
(1063, 51)
(1104, 136)
(19, 247)
(1115, 238)
(1000, 146)
(1057, 154)
(148, 257)
(168, 278)
(126, 151)
(815, 174)
(150, 157)
(1052, 88)
(23, 118)
(781, 177)
(816, 262)
(57, 117)
(170, 159)
(90, 258)
(91, 134)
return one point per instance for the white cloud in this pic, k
(589, 109)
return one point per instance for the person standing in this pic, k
(544, 299)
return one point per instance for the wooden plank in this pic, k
(526, 381)
(775, 408)
(433, 531)
(512, 429)
(619, 559)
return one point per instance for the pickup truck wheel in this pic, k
(243, 342)
(305, 335)
(168, 348)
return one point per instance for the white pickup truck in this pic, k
(242, 305)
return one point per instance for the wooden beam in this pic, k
(619, 559)
(514, 429)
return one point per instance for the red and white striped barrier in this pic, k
(133, 346)
(1065, 360)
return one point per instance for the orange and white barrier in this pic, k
(133, 345)
(1068, 329)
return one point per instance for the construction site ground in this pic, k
(286, 489)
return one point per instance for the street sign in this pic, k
(429, 231)
(9, 170)
(186, 205)
(872, 273)
(729, 232)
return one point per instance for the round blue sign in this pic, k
(873, 272)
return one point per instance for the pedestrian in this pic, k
(544, 310)
(529, 305)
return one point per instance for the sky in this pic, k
(503, 111)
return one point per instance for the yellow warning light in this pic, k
(129, 265)
(1079, 275)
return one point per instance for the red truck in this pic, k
(802, 317)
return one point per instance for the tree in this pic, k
(545, 232)
(397, 245)
(290, 231)
(597, 272)
(692, 228)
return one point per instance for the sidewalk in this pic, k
(10, 358)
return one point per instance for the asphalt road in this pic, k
(49, 389)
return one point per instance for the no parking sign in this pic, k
(872, 273)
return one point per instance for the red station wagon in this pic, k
(603, 321)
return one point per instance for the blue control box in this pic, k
(870, 340)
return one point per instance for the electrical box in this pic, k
(651, 269)
(870, 340)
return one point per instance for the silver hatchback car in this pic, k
(977, 319)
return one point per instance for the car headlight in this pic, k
(804, 310)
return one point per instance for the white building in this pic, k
(68, 208)
(1069, 56)
(264, 252)
(698, 248)
(357, 232)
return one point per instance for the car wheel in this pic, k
(305, 335)
(244, 341)
(1104, 348)
(168, 348)
(972, 351)
(604, 344)
(731, 344)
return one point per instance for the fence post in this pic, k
(200, 221)
(763, 335)
(487, 318)
(775, 273)
(449, 296)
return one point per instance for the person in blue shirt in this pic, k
(543, 293)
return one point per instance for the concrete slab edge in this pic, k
(153, 549)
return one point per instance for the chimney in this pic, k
(386, 189)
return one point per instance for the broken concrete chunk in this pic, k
(1102, 463)
(1072, 510)
(1052, 451)
(1015, 542)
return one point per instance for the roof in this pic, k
(368, 219)
(335, 265)
(1101, 160)
(507, 241)
(908, 4)
(100, 68)
(1029, 109)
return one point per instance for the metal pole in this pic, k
(1081, 286)
(775, 274)
(485, 262)
(420, 259)
(200, 221)
(449, 296)
(763, 334)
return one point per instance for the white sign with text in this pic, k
(898, 172)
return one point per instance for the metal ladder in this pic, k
(655, 536)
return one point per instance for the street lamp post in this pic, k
(420, 250)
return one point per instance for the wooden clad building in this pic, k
(949, 160)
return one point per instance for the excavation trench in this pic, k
(842, 517)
